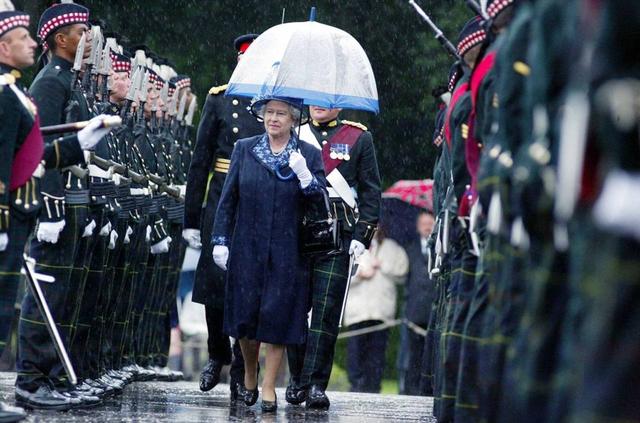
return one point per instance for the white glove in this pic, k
(112, 239)
(356, 248)
(147, 236)
(106, 229)
(161, 247)
(4, 241)
(91, 134)
(298, 164)
(88, 230)
(221, 255)
(127, 235)
(49, 231)
(621, 188)
(192, 236)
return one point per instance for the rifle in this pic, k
(444, 42)
(107, 122)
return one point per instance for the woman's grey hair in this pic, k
(293, 111)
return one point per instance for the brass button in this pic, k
(235, 130)
(235, 115)
(324, 133)
(235, 102)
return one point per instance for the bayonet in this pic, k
(97, 52)
(77, 63)
(164, 95)
(191, 112)
(104, 71)
(181, 107)
(477, 9)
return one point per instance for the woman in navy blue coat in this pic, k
(256, 235)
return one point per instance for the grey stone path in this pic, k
(183, 402)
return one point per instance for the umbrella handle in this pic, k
(284, 177)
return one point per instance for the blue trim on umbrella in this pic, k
(316, 98)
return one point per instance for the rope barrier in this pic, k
(384, 325)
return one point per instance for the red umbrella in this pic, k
(418, 193)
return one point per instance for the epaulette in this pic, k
(356, 124)
(7, 79)
(218, 90)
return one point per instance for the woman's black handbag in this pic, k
(319, 229)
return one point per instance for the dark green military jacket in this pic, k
(551, 66)
(513, 69)
(51, 90)
(485, 123)
(18, 116)
(459, 125)
(361, 173)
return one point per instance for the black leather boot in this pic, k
(317, 399)
(44, 398)
(210, 375)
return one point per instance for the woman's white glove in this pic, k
(298, 164)
(161, 247)
(356, 248)
(112, 239)
(4, 241)
(221, 255)
(88, 230)
(147, 235)
(49, 231)
(127, 235)
(192, 236)
(90, 135)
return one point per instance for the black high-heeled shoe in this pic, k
(250, 396)
(269, 406)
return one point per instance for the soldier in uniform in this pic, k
(20, 201)
(476, 293)
(459, 261)
(349, 157)
(63, 217)
(224, 121)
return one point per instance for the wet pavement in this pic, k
(183, 402)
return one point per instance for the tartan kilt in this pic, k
(610, 385)
(427, 369)
(86, 287)
(37, 360)
(474, 338)
(329, 281)
(533, 357)
(10, 265)
(585, 239)
(463, 271)
(116, 268)
(431, 354)
(135, 273)
(507, 307)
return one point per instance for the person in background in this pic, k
(419, 296)
(372, 302)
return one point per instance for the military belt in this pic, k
(222, 165)
(103, 188)
(175, 213)
(80, 196)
